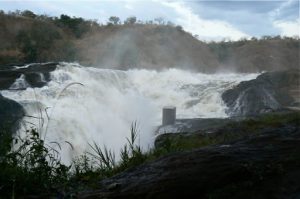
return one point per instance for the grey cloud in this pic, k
(251, 6)
(289, 12)
(251, 17)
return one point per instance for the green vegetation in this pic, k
(32, 168)
(27, 37)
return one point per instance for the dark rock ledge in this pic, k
(36, 75)
(263, 165)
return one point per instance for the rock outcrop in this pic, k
(261, 165)
(35, 75)
(269, 92)
(193, 125)
(11, 113)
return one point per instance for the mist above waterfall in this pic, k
(87, 104)
(148, 46)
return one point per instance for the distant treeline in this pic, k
(29, 37)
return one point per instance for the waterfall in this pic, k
(81, 105)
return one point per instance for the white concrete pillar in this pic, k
(168, 115)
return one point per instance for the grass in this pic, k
(101, 163)
(31, 168)
(34, 168)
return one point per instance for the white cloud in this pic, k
(205, 29)
(128, 6)
(288, 28)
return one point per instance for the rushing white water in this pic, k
(105, 103)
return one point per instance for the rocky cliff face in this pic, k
(269, 92)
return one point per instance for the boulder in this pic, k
(271, 91)
(11, 114)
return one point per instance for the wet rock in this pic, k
(271, 91)
(35, 79)
(11, 114)
(7, 78)
(36, 75)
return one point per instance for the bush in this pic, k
(32, 168)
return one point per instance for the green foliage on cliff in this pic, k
(28, 37)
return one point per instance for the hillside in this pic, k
(266, 54)
(27, 37)
(146, 46)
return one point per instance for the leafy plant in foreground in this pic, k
(32, 168)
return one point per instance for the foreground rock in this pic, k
(35, 75)
(193, 125)
(269, 92)
(11, 113)
(263, 165)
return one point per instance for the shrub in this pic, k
(32, 168)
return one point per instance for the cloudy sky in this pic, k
(210, 20)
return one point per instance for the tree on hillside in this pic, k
(114, 20)
(28, 13)
(45, 17)
(266, 37)
(149, 22)
(77, 25)
(130, 20)
(27, 46)
(38, 39)
(170, 23)
(253, 39)
(160, 20)
(179, 28)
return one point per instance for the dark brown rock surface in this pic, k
(264, 165)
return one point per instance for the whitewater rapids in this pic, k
(86, 104)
